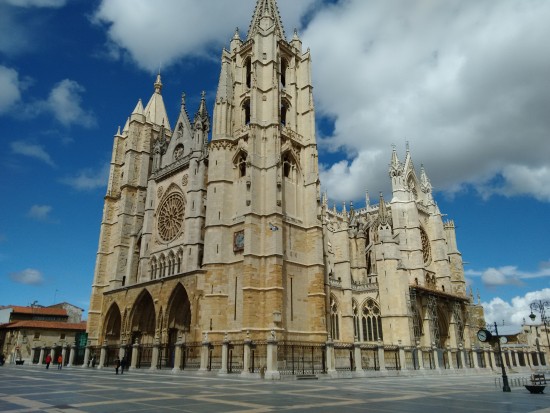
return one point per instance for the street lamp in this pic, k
(484, 335)
(540, 307)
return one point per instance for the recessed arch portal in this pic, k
(143, 318)
(112, 325)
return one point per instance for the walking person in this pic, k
(117, 365)
(59, 362)
(122, 365)
(48, 361)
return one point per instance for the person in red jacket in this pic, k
(59, 362)
(48, 361)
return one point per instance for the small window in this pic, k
(241, 165)
(62, 336)
(36, 335)
(284, 67)
(248, 68)
(284, 111)
(246, 110)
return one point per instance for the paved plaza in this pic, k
(74, 390)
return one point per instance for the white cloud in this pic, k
(159, 33)
(65, 103)
(40, 212)
(29, 277)
(32, 150)
(88, 179)
(515, 312)
(464, 82)
(508, 275)
(10, 87)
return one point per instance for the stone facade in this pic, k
(204, 240)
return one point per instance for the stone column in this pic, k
(435, 356)
(122, 352)
(41, 356)
(516, 358)
(450, 358)
(33, 352)
(493, 360)
(381, 359)
(71, 355)
(52, 352)
(462, 357)
(419, 356)
(487, 358)
(330, 358)
(246, 357)
(63, 353)
(178, 354)
(225, 353)
(402, 357)
(155, 355)
(272, 372)
(474, 358)
(536, 360)
(102, 355)
(359, 372)
(135, 355)
(205, 349)
(86, 356)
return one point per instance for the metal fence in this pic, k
(391, 358)
(191, 356)
(258, 357)
(369, 357)
(301, 358)
(428, 358)
(411, 358)
(344, 357)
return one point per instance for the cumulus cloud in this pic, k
(10, 87)
(508, 275)
(88, 179)
(29, 277)
(464, 82)
(32, 150)
(154, 33)
(65, 103)
(40, 212)
(515, 312)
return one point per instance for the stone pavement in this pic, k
(75, 390)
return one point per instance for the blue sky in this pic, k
(464, 83)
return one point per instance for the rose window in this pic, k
(170, 217)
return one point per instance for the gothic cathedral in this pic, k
(204, 239)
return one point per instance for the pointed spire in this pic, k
(396, 168)
(126, 126)
(425, 181)
(325, 199)
(367, 201)
(158, 84)
(118, 131)
(138, 109)
(266, 9)
(237, 35)
(155, 111)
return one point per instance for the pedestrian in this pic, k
(117, 365)
(93, 362)
(59, 362)
(2, 359)
(48, 361)
(122, 365)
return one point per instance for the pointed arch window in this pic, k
(248, 72)
(284, 68)
(426, 250)
(371, 321)
(284, 112)
(154, 268)
(334, 319)
(246, 112)
(356, 324)
(241, 164)
(289, 166)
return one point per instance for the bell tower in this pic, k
(263, 251)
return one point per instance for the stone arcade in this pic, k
(223, 255)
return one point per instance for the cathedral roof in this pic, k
(155, 111)
(266, 9)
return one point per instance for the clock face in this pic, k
(238, 241)
(503, 340)
(482, 335)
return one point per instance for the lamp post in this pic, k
(540, 307)
(484, 335)
(505, 385)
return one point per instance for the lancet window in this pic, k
(334, 319)
(371, 321)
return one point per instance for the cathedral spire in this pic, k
(266, 10)
(396, 168)
(383, 211)
(155, 111)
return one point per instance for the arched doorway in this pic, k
(178, 323)
(112, 325)
(143, 322)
